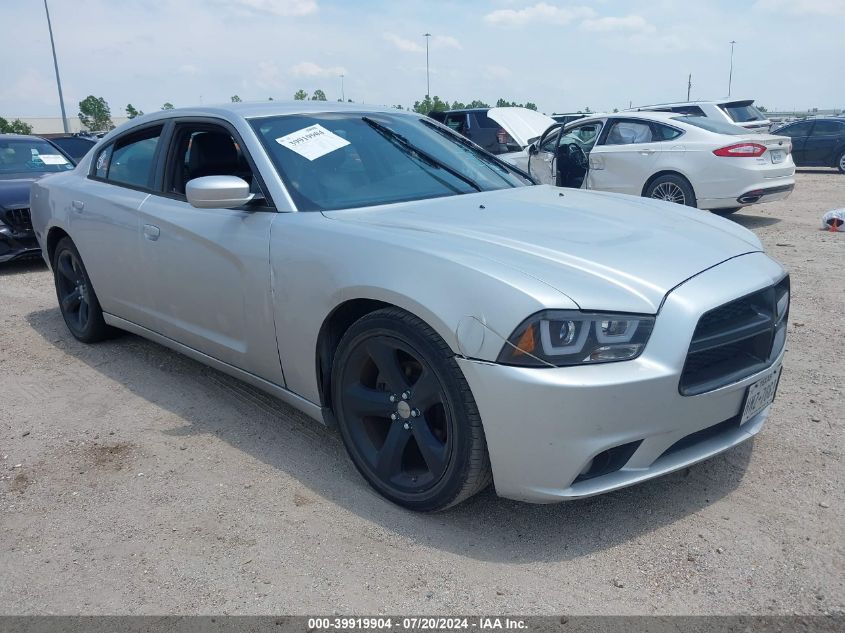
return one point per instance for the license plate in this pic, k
(777, 155)
(760, 395)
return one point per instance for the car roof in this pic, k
(696, 102)
(647, 116)
(22, 137)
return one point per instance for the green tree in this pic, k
(236, 99)
(167, 106)
(300, 95)
(430, 105)
(132, 112)
(457, 105)
(477, 104)
(94, 114)
(14, 127)
(531, 106)
(398, 107)
(269, 98)
(318, 95)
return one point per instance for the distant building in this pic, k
(53, 125)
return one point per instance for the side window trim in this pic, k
(168, 156)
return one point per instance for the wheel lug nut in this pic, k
(406, 395)
(393, 416)
(406, 426)
(392, 398)
(415, 413)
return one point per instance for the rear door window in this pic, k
(828, 128)
(132, 158)
(795, 130)
(629, 133)
(664, 132)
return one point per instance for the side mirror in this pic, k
(218, 192)
(532, 149)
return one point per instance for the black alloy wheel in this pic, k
(406, 414)
(78, 302)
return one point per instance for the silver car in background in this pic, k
(458, 324)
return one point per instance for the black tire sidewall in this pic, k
(95, 329)
(449, 486)
(689, 193)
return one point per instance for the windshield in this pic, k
(712, 125)
(340, 160)
(30, 156)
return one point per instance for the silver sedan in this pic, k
(457, 323)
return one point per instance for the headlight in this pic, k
(558, 337)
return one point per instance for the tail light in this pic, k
(741, 150)
(504, 138)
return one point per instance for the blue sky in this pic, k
(561, 55)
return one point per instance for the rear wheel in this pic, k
(78, 302)
(671, 188)
(841, 163)
(406, 413)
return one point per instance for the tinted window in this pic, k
(742, 113)
(664, 132)
(101, 165)
(344, 160)
(826, 128)
(30, 156)
(712, 125)
(131, 161)
(628, 133)
(689, 110)
(795, 130)
(456, 122)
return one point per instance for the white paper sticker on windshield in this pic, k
(52, 159)
(312, 142)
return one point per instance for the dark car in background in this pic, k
(498, 130)
(74, 145)
(23, 160)
(818, 142)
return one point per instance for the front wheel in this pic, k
(841, 163)
(78, 302)
(406, 413)
(671, 188)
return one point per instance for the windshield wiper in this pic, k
(410, 148)
(479, 152)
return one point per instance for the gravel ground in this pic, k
(136, 481)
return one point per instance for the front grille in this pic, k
(735, 340)
(19, 220)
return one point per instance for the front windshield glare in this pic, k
(30, 156)
(343, 160)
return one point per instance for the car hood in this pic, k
(521, 123)
(14, 191)
(604, 251)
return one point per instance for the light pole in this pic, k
(427, 82)
(731, 74)
(56, 66)
(342, 94)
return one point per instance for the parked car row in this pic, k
(457, 322)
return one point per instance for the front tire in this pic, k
(671, 188)
(406, 413)
(840, 164)
(78, 302)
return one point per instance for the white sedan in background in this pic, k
(695, 161)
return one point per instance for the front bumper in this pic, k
(17, 245)
(545, 426)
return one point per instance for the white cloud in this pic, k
(628, 23)
(803, 7)
(310, 69)
(278, 7)
(188, 69)
(445, 41)
(540, 12)
(409, 46)
(497, 72)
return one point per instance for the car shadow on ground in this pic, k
(21, 266)
(752, 221)
(484, 528)
(818, 170)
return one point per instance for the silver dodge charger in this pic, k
(458, 323)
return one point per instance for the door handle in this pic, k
(77, 205)
(647, 152)
(151, 232)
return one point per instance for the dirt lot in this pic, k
(134, 480)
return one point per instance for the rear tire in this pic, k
(406, 413)
(840, 164)
(671, 188)
(78, 302)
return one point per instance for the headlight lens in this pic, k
(563, 337)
